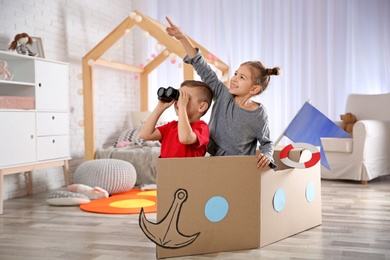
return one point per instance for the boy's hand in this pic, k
(173, 30)
(184, 98)
(164, 105)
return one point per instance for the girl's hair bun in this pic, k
(274, 71)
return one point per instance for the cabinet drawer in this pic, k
(52, 123)
(53, 147)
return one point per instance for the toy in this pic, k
(349, 120)
(122, 144)
(92, 193)
(20, 43)
(4, 72)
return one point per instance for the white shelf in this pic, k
(16, 83)
(46, 83)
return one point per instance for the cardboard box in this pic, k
(11, 102)
(216, 204)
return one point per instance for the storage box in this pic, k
(216, 204)
(11, 102)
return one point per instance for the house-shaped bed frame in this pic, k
(156, 30)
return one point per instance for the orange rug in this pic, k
(129, 202)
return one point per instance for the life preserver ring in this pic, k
(315, 155)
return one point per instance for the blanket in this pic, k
(142, 157)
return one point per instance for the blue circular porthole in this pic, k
(279, 200)
(216, 209)
(310, 192)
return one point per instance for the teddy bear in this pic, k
(20, 43)
(349, 120)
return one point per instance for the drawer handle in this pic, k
(54, 141)
(39, 84)
(32, 136)
(53, 117)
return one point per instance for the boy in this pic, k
(188, 136)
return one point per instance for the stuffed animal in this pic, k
(349, 120)
(91, 193)
(20, 43)
(4, 72)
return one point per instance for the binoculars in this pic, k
(168, 94)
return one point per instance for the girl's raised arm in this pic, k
(174, 31)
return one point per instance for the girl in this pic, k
(237, 123)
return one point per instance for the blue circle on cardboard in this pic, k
(216, 209)
(279, 200)
(310, 192)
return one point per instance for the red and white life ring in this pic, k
(315, 155)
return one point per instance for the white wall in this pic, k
(70, 29)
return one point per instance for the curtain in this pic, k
(326, 49)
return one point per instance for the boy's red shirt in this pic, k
(171, 146)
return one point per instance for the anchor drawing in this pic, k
(166, 233)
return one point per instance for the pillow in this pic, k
(129, 135)
(128, 122)
(66, 198)
(139, 118)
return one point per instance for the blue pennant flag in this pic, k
(309, 125)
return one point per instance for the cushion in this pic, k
(341, 145)
(114, 176)
(138, 118)
(130, 137)
(66, 198)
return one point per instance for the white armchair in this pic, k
(366, 155)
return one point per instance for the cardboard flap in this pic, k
(301, 189)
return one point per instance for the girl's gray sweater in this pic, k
(233, 130)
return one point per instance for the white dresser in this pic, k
(34, 117)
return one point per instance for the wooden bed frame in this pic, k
(156, 30)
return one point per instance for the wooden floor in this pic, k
(356, 225)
